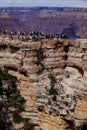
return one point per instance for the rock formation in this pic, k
(53, 80)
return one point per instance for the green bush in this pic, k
(11, 103)
(29, 125)
(21, 62)
(52, 91)
(17, 118)
(54, 98)
(52, 79)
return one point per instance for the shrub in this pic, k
(52, 91)
(11, 103)
(17, 118)
(54, 98)
(53, 81)
(52, 78)
(21, 62)
(28, 125)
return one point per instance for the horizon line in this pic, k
(41, 7)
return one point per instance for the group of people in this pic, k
(30, 36)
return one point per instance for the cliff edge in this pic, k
(53, 80)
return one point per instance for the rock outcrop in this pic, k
(53, 80)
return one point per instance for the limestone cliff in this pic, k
(53, 80)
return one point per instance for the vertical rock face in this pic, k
(53, 80)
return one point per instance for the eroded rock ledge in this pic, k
(53, 77)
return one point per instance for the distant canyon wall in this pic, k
(70, 21)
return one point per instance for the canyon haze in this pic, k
(70, 21)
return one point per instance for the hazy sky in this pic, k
(57, 3)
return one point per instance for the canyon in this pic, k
(52, 78)
(70, 21)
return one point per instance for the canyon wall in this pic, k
(52, 78)
(70, 21)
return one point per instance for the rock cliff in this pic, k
(53, 80)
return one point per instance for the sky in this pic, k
(49, 3)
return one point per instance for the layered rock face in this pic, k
(53, 80)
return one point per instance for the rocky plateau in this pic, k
(53, 80)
